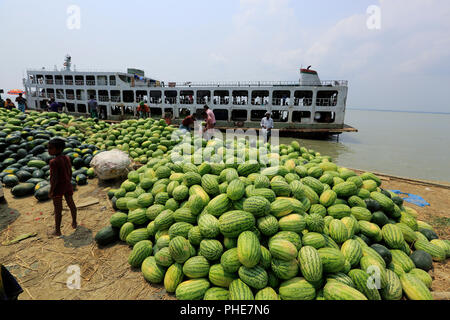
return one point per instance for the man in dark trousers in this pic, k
(54, 106)
(93, 107)
(21, 103)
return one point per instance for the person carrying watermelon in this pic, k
(143, 110)
(60, 183)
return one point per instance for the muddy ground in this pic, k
(40, 263)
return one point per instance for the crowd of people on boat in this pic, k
(142, 112)
(207, 115)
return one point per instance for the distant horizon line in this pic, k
(392, 110)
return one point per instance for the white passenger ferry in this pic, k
(309, 105)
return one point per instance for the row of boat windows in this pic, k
(73, 80)
(217, 97)
(237, 115)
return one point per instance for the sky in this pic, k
(396, 58)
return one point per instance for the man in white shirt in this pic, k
(267, 126)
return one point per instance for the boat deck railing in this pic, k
(322, 102)
(224, 84)
(329, 83)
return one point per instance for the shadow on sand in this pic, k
(7, 216)
(80, 238)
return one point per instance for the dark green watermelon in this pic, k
(78, 163)
(8, 162)
(81, 179)
(10, 180)
(14, 147)
(372, 205)
(21, 153)
(23, 189)
(430, 234)
(42, 193)
(38, 173)
(422, 260)
(23, 175)
(107, 235)
(38, 150)
(398, 201)
(34, 181)
(386, 193)
(113, 201)
(79, 171)
(383, 252)
(6, 154)
(13, 139)
(87, 160)
(379, 218)
(23, 162)
(366, 239)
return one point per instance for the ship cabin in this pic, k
(307, 103)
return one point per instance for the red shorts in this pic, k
(63, 190)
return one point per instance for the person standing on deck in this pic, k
(21, 103)
(139, 110)
(143, 110)
(93, 107)
(54, 106)
(168, 118)
(267, 126)
(64, 108)
(210, 114)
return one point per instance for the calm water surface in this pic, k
(414, 145)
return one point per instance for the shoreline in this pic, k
(439, 184)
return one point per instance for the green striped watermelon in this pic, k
(255, 277)
(196, 267)
(297, 289)
(233, 223)
(310, 263)
(249, 249)
(240, 291)
(192, 289)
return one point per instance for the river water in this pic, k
(413, 145)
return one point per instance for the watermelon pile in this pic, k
(304, 229)
(237, 229)
(142, 139)
(24, 160)
(24, 137)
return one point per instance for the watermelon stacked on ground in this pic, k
(301, 230)
(24, 160)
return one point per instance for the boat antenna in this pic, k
(67, 62)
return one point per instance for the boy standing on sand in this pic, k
(60, 183)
